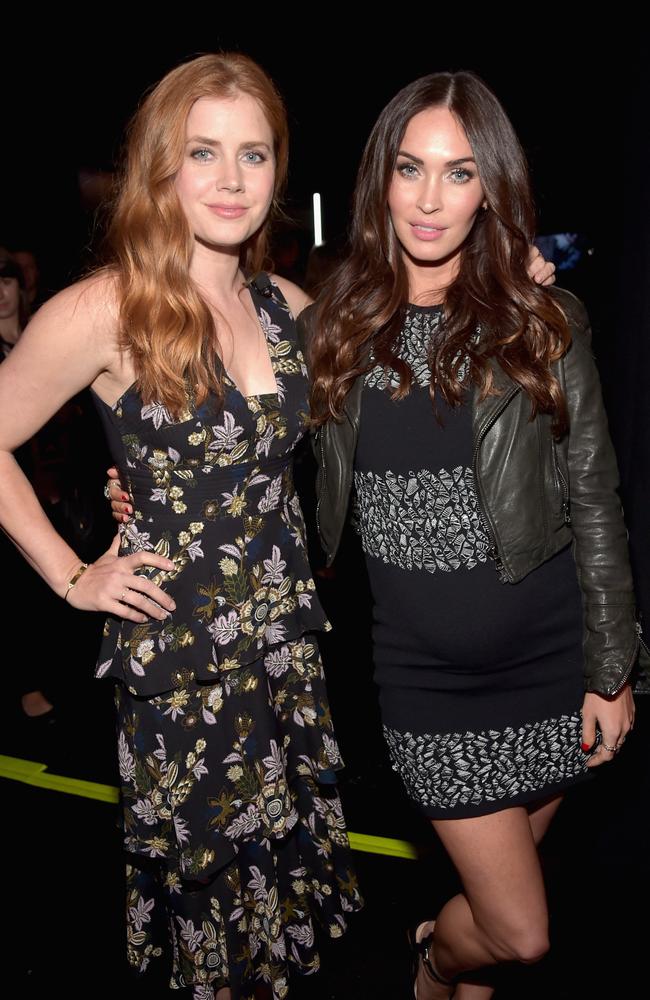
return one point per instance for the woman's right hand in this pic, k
(121, 503)
(111, 585)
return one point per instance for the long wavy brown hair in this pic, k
(363, 306)
(165, 324)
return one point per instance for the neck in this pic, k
(429, 281)
(216, 271)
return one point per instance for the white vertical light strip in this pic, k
(318, 220)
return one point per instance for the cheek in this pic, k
(180, 186)
(264, 187)
(396, 203)
(188, 184)
(467, 204)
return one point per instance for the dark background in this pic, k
(579, 101)
(578, 95)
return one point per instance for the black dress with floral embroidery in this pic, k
(226, 750)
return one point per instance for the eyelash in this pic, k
(467, 174)
(249, 152)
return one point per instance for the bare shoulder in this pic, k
(295, 296)
(65, 347)
(90, 306)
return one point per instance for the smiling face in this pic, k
(435, 193)
(226, 180)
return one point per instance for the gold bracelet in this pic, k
(74, 579)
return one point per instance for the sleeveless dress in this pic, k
(227, 755)
(481, 682)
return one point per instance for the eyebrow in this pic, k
(449, 163)
(204, 140)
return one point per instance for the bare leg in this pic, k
(501, 915)
(540, 817)
(223, 994)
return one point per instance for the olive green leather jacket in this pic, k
(536, 494)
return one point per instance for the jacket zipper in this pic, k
(628, 670)
(563, 488)
(323, 484)
(493, 551)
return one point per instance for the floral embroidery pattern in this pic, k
(226, 751)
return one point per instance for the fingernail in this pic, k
(129, 510)
(585, 747)
(124, 496)
(173, 606)
(125, 517)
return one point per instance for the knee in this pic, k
(527, 943)
(530, 948)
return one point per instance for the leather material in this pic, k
(537, 495)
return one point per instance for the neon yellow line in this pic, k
(32, 773)
(383, 845)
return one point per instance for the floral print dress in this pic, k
(227, 754)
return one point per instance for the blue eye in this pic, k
(460, 175)
(201, 154)
(407, 169)
(253, 156)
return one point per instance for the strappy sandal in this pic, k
(421, 954)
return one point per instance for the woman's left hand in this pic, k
(614, 717)
(541, 271)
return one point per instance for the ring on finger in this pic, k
(107, 491)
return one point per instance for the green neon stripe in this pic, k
(32, 773)
(383, 845)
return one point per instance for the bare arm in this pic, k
(69, 345)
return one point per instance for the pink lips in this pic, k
(427, 233)
(228, 211)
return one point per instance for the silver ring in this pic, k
(107, 491)
(609, 749)
(123, 593)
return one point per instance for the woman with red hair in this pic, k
(232, 822)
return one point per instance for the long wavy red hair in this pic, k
(165, 325)
(364, 302)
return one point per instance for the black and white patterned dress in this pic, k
(480, 682)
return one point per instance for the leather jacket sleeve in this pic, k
(611, 641)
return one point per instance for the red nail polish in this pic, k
(585, 747)
(124, 497)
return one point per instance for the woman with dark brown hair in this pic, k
(232, 823)
(459, 403)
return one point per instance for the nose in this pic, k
(229, 176)
(430, 196)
